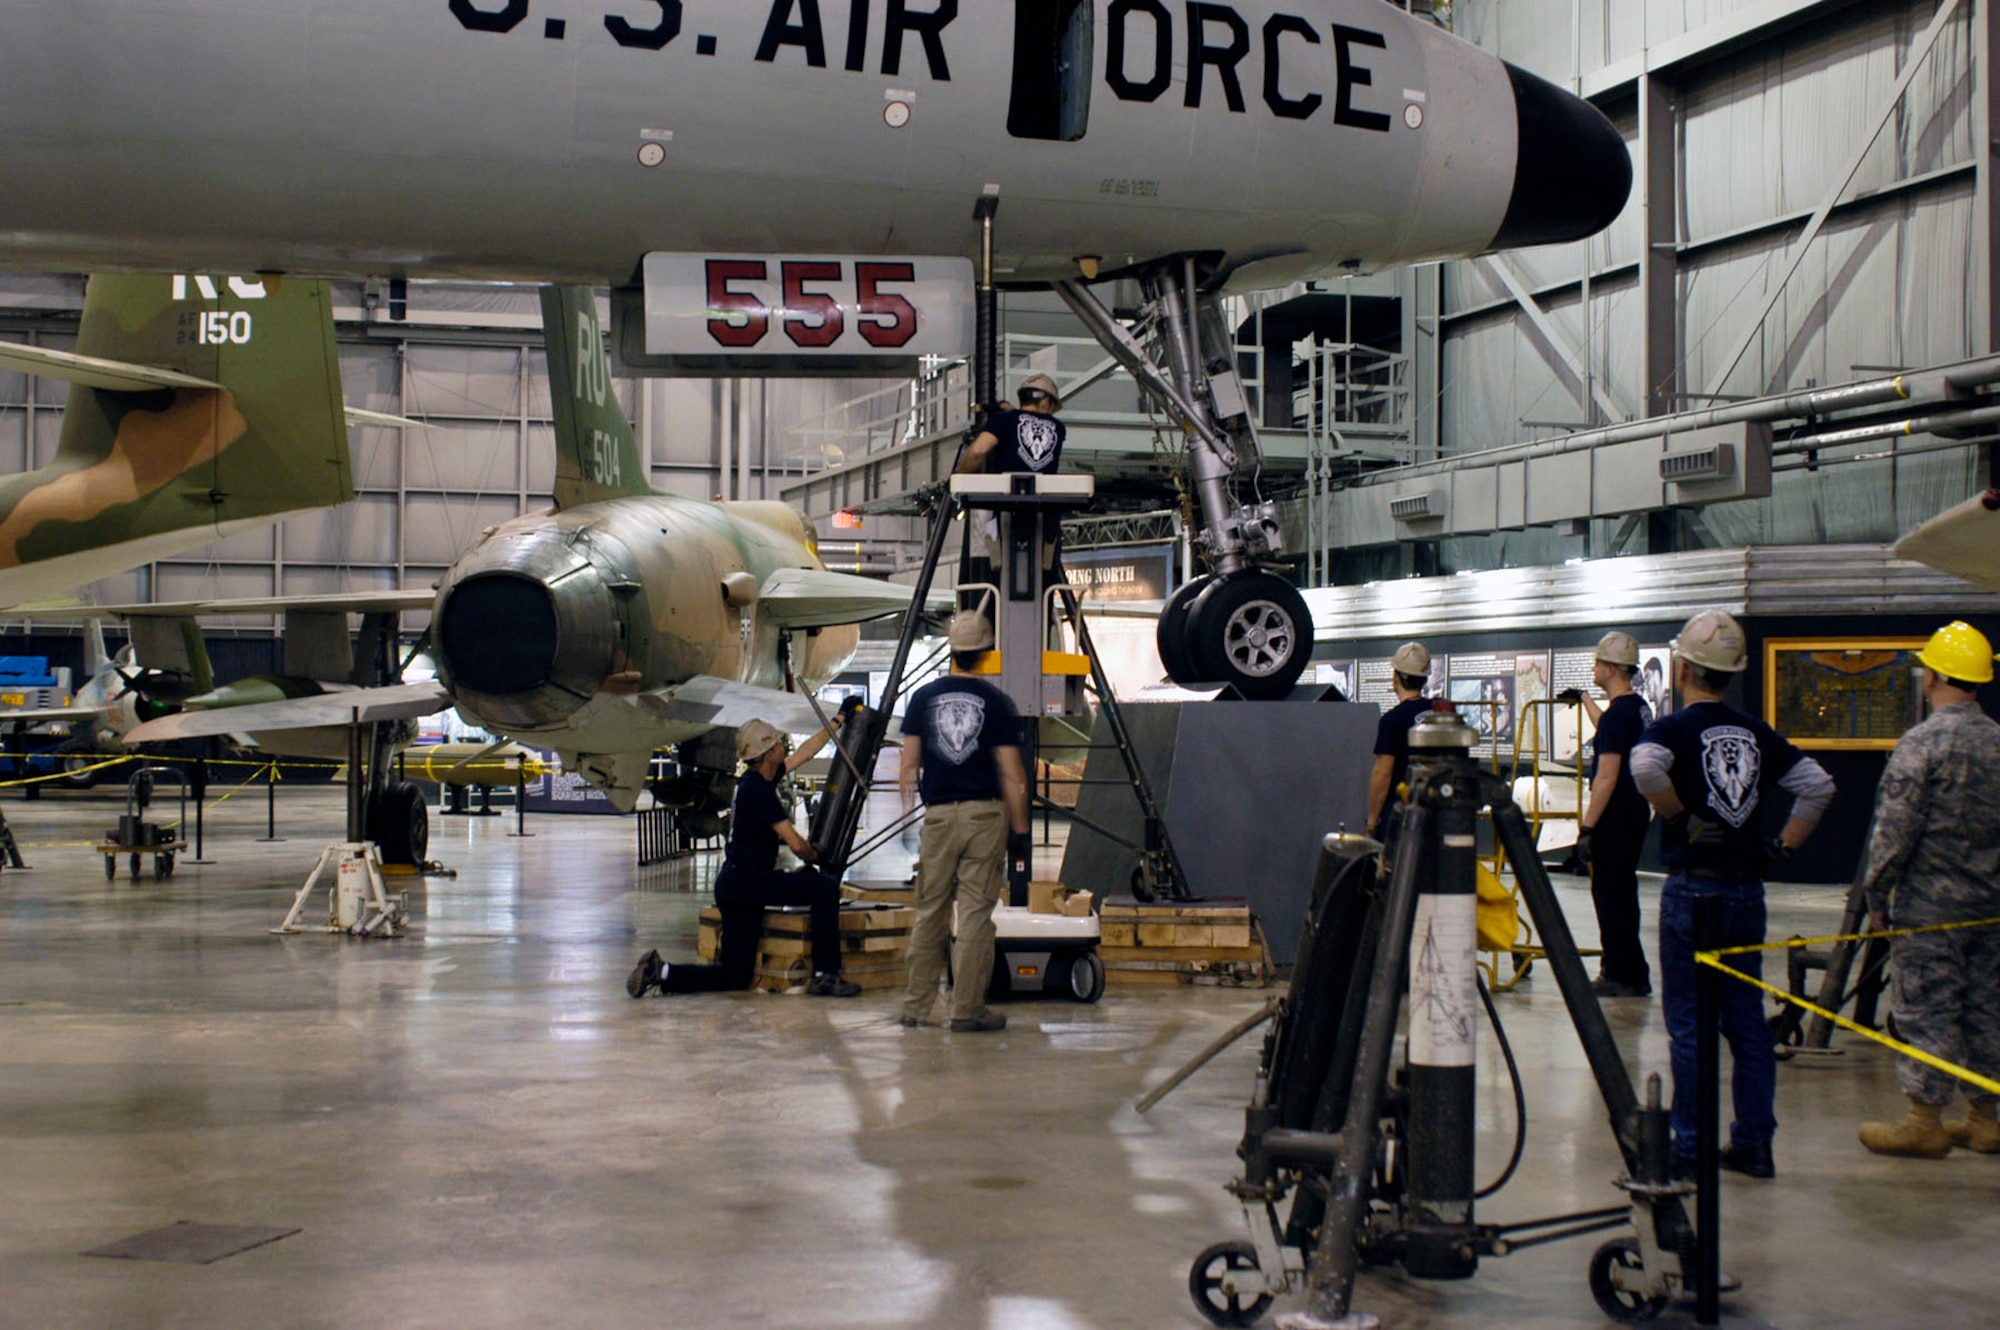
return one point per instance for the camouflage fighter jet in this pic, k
(623, 621)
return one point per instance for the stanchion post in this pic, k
(1708, 1093)
(271, 836)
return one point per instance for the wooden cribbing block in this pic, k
(1171, 942)
(872, 946)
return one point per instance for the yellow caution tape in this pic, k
(1792, 944)
(60, 775)
(1713, 959)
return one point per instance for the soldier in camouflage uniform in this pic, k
(1934, 858)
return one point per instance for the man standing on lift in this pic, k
(1028, 439)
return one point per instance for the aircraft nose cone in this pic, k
(1572, 174)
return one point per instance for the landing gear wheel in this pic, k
(1250, 630)
(1218, 1304)
(1620, 1304)
(1086, 977)
(1171, 633)
(399, 823)
(78, 773)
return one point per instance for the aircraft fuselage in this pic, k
(564, 139)
(551, 627)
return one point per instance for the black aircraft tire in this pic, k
(1171, 633)
(1251, 630)
(399, 822)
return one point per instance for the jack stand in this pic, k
(10, 853)
(358, 904)
(1378, 1161)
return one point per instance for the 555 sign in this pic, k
(796, 314)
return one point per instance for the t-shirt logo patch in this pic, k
(1037, 440)
(1730, 762)
(956, 719)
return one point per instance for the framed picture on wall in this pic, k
(1852, 693)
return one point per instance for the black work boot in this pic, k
(645, 975)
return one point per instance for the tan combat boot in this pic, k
(1979, 1131)
(1920, 1135)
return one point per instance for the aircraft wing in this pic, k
(48, 715)
(816, 598)
(707, 700)
(1963, 541)
(121, 376)
(94, 371)
(348, 706)
(354, 602)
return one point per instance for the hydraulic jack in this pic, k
(1378, 1167)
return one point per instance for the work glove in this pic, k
(1020, 862)
(1584, 852)
(1777, 852)
(848, 708)
(1570, 695)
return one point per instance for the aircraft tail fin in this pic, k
(597, 455)
(198, 407)
(95, 657)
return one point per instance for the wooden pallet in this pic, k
(873, 944)
(1168, 942)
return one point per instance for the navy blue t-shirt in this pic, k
(1618, 731)
(1029, 441)
(1392, 736)
(753, 821)
(1724, 761)
(960, 720)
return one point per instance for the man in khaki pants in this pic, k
(961, 743)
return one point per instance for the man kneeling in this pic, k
(750, 881)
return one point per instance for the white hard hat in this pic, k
(1043, 384)
(754, 738)
(970, 631)
(1616, 648)
(1411, 658)
(1715, 641)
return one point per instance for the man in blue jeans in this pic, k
(1705, 770)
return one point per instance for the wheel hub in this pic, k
(1258, 638)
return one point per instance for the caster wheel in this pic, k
(1171, 634)
(1211, 1270)
(1620, 1304)
(110, 868)
(135, 867)
(1086, 977)
(1250, 630)
(1144, 889)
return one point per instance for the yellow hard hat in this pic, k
(1959, 651)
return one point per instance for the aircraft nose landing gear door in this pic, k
(1241, 624)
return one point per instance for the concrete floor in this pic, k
(474, 1125)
